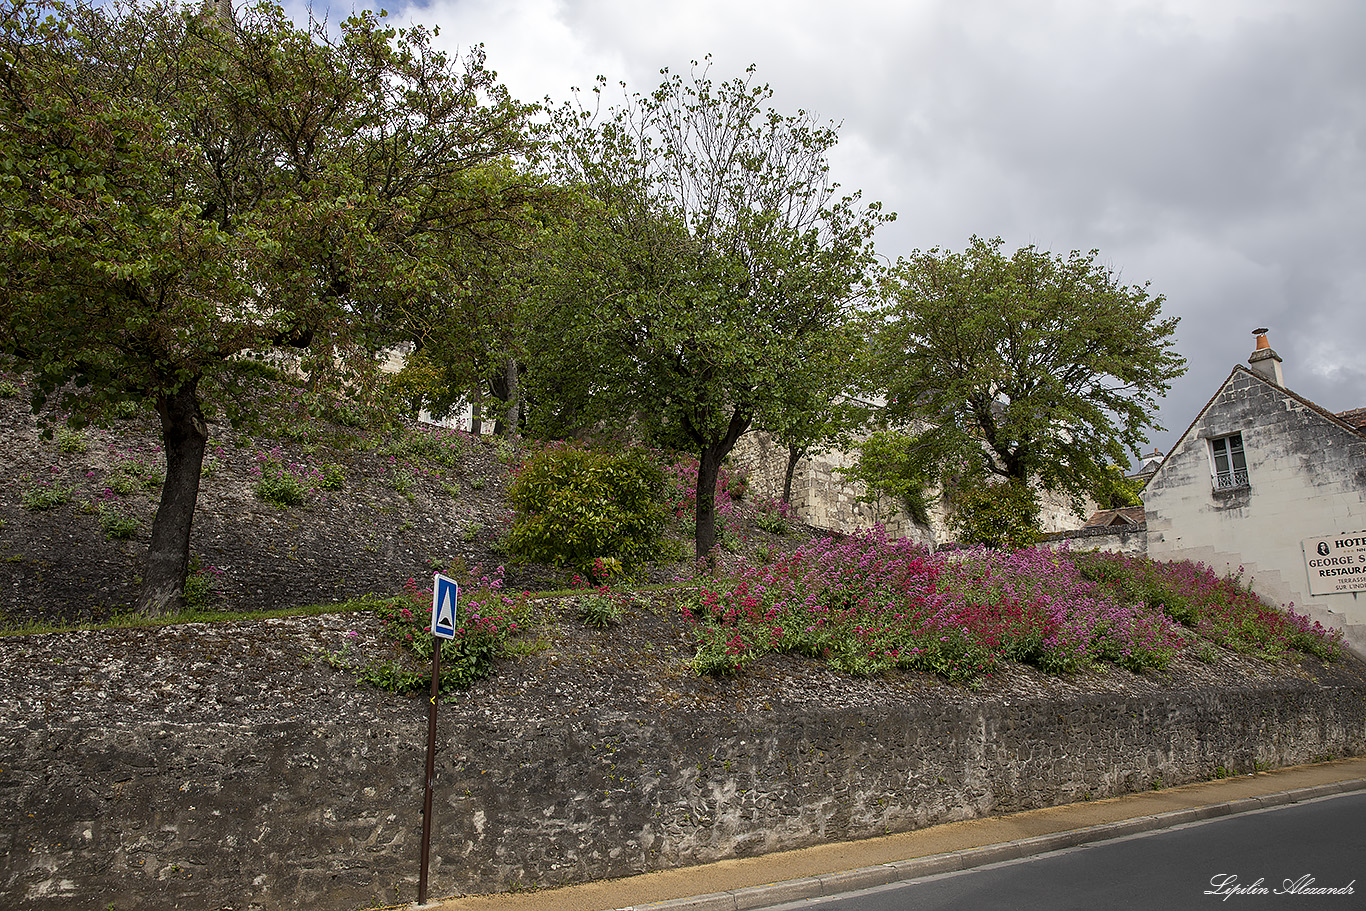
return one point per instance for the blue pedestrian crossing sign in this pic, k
(445, 593)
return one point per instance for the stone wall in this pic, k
(1114, 539)
(824, 498)
(821, 496)
(145, 770)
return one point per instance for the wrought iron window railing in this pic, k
(1227, 480)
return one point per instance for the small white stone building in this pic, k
(1266, 480)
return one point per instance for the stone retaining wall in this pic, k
(1121, 539)
(228, 766)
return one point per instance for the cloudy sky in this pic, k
(1215, 148)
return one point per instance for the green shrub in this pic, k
(573, 505)
(8, 390)
(71, 441)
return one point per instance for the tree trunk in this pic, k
(714, 451)
(794, 455)
(514, 425)
(708, 470)
(498, 388)
(477, 415)
(184, 435)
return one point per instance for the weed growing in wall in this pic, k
(600, 610)
(487, 619)
(280, 482)
(44, 493)
(444, 447)
(142, 467)
(117, 520)
(71, 441)
(201, 586)
(774, 516)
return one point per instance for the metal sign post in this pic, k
(445, 596)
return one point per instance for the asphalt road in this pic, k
(1270, 859)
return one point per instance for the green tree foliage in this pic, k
(575, 505)
(712, 261)
(1001, 514)
(1117, 491)
(469, 331)
(1032, 369)
(181, 191)
(889, 466)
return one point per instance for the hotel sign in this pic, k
(1336, 563)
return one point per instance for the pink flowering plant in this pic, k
(866, 605)
(487, 618)
(1219, 608)
(774, 516)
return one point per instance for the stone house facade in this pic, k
(1269, 482)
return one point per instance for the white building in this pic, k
(1266, 480)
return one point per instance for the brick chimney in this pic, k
(1265, 361)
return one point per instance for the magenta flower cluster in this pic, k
(867, 604)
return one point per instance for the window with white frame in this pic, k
(1230, 465)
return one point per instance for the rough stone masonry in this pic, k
(232, 766)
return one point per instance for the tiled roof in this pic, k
(1356, 417)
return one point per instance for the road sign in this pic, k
(445, 593)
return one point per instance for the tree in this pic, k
(469, 338)
(1034, 369)
(889, 466)
(714, 258)
(182, 191)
